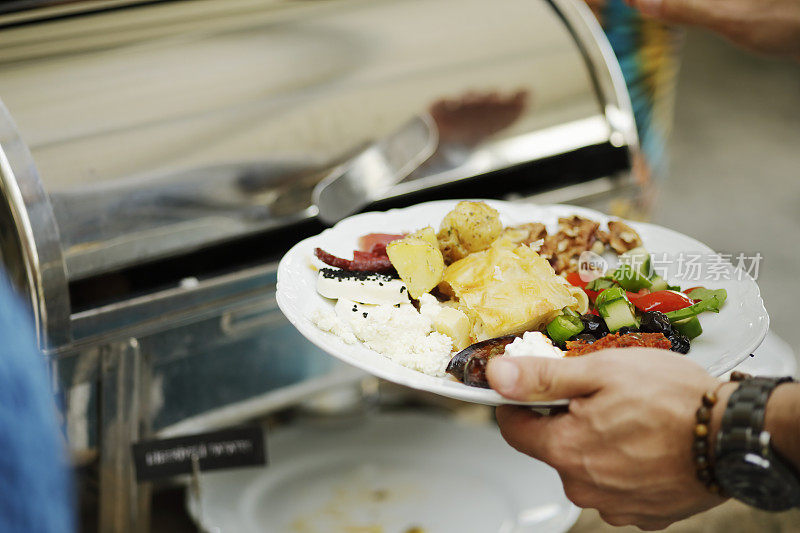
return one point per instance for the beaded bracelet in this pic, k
(702, 430)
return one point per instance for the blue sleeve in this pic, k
(35, 484)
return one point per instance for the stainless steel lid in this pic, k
(162, 129)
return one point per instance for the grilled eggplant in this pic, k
(469, 365)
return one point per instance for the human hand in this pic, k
(767, 26)
(625, 446)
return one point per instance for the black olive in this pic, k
(656, 322)
(624, 330)
(588, 338)
(594, 325)
(680, 343)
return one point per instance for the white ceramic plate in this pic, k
(392, 473)
(728, 337)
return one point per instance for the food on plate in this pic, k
(621, 237)
(654, 307)
(575, 235)
(365, 287)
(469, 365)
(531, 233)
(447, 302)
(447, 320)
(470, 227)
(616, 340)
(362, 261)
(418, 261)
(397, 331)
(375, 243)
(508, 288)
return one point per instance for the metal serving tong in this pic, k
(369, 175)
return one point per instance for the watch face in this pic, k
(757, 481)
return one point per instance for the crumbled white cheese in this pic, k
(429, 306)
(328, 321)
(533, 343)
(404, 336)
(399, 332)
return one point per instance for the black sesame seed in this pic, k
(365, 314)
(355, 275)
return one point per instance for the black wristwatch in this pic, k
(746, 467)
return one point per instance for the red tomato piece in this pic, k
(664, 301)
(689, 292)
(592, 294)
(574, 278)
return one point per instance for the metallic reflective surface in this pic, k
(166, 127)
(370, 175)
(29, 239)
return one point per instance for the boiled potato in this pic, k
(470, 227)
(427, 234)
(419, 263)
(454, 324)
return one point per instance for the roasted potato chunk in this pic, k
(470, 227)
(419, 263)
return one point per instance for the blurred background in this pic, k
(734, 165)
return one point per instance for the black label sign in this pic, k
(229, 448)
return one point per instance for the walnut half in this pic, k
(622, 237)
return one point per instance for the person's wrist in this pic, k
(781, 421)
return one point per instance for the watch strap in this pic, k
(743, 420)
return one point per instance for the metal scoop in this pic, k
(369, 175)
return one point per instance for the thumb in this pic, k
(542, 378)
(697, 12)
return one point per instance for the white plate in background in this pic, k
(391, 473)
(728, 336)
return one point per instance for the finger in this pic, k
(541, 378)
(697, 12)
(529, 432)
